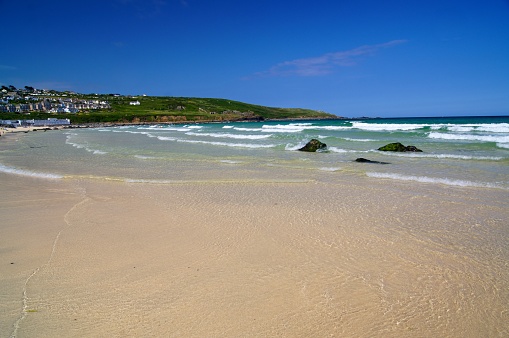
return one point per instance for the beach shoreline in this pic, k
(6, 130)
(235, 251)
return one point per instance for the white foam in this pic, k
(426, 179)
(330, 169)
(503, 145)
(164, 138)
(331, 127)
(226, 144)
(443, 156)
(247, 129)
(460, 129)
(230, 161)
(162, 129)
(387, 127)
(228, 135)
(81, 146)
(22, 172)
(469, 137)
(340, 150)
(495, 128)
(143, 157)
(359, 139)
(282, 129)
(483, 127)
(293, 147)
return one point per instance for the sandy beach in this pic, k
(93, 259)
(4, 131)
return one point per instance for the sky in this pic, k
(352, 58)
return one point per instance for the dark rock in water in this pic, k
(413, 148)
(365, 160)
(313, 146)
(399, 147)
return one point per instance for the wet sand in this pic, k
(358, 258)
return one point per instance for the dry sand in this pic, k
(109, 259)
(4, 131)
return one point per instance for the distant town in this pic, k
(29, 99)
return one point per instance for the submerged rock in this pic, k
(313, 146)
(365, 160)
(399, 147)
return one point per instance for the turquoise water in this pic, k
(457, 151)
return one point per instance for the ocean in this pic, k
(457, 151)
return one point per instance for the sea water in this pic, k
(458, 151)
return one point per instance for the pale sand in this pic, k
(106, 259)
(4, 131)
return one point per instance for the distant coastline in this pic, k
(83, 109)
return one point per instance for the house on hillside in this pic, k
(134, 103)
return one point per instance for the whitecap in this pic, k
(359, 139)
(247, 129)
(387, 127)
(469, 137)
(228, 135)
(495, 128)
(282, 129)
(226, 144)
(483, 127)
(332, 128)
(460, 129)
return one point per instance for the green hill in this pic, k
(177, 109)
(154, 109)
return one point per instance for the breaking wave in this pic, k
(499, 139)
(426, 179)
(226, 144)
(444, 156)
(22, 172)
(228, 135)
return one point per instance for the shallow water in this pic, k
(456, 151)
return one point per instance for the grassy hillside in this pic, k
(162, 109)
(173, 109)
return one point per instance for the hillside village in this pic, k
(29, 99)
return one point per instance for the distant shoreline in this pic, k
(5, 130)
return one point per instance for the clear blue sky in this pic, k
(350, 58)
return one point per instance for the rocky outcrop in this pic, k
(365, 160)
(314, 145)
(399, 148)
